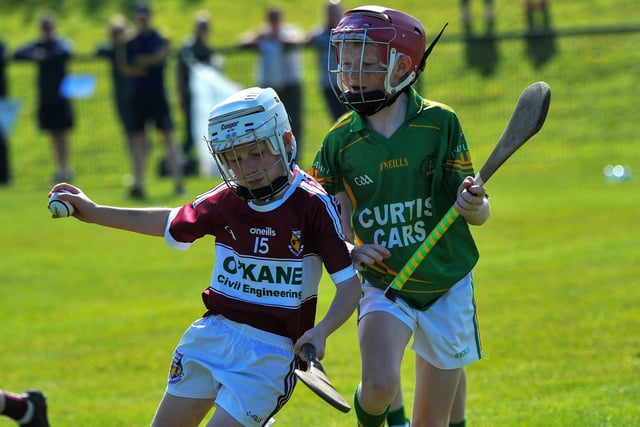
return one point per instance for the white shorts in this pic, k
(446, 334)
(247, 371)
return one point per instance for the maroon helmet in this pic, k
(395, 34)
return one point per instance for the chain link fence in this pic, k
(480, 78)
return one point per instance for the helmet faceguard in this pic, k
(253, 118)
(395, 34)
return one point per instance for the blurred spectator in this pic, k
(195, 49)
(540, 37)
(3, 76)
(467, 17)
(537, 14)
(481, 51)
(55, 115)
(121, 82)
(320, 38)
(145, 61)
(5, 168)
(280, 63)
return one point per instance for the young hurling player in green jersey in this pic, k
(402, 160)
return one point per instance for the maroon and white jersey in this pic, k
(268, 258)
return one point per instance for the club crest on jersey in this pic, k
(295, 242)
(176, 373)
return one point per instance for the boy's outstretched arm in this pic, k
(151, 221)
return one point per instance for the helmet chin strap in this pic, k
(368, 103)
(263, 194)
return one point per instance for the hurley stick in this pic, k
(316, 379)
(526, 120)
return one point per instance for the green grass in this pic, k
(91, 315)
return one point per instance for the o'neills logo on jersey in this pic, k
(263, 231)
(319, 168)
(394, 163)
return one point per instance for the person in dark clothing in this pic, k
(319, 39)
(195, 49)
(120, 81)
(279, 44)
(145, 59)
(3, 77)
(5, 168)
(55, 114)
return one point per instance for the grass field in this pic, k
(91, 315)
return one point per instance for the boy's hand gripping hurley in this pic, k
(316, 379)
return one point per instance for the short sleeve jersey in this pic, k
(400, 188)
(268, 258)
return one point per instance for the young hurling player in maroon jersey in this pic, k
(275, 229)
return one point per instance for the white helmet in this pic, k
(250, 117)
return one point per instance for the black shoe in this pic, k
(39, 402)
(137, 193)
(191, 166)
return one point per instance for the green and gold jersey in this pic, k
(400, 188)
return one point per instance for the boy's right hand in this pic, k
(81, 203)
(368, 255)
